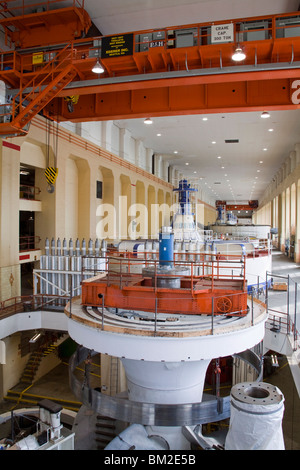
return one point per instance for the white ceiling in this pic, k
(116, 16)
(243, 176)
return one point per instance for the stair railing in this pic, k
(58, 64)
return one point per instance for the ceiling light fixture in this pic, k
(238, 55)
(148, 121)
(265, 115)
(35, 337)
(98, 67)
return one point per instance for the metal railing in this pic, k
(90, 48)
(282, 319)
(28, 303)
(157, 319)
(22, 8)
(209, 267)
(29, 243)
(29, 192)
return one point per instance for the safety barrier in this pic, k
(283, 318)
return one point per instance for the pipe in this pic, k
(166, 247)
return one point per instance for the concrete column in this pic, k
(297, 233)
(138, 153)
(148, 162)
(165, 164)
(9, 220)
(281, 220)
(92, 131)
(106, 135)
(157, 166)
(124, 145)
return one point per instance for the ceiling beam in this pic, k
(179, 97)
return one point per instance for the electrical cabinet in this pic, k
(186, 37)
(288, 27)
(254, 31)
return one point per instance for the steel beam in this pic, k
(194, 94)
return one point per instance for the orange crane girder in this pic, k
(160, 99)
(158, 78)
(137, 294)
(46, 27)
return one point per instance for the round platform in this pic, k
(142, 336)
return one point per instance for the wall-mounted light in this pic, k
(35, 337)
(238, 54)
(98, 67)
(148, 121)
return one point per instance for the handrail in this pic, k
(203, 262)
(29, 192)
(100, 152)
(82, 47)
(164, 56)
(197, 284)
(281, 318)
(282, 323)
(28, 242)
(6, 8)
(49, 69)
(33, 302)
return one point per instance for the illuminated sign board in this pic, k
(117, 46)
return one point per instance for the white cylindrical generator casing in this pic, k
(256, 413)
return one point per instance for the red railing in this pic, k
(29, 192)
(16, 9)
(27, 303)
(29, 243)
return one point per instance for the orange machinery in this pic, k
(212, 291)
(146, 72)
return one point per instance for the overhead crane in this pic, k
(171, 71)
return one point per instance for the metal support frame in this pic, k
(176, 80)
(290, 324)
(187, 414)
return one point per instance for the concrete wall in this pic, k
(86, 153)
(280, 204)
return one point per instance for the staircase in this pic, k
(36, 358)
(114, 375)
(31, 367)
(105, 431)
(37, 93)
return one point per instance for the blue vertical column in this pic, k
(166, 248)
